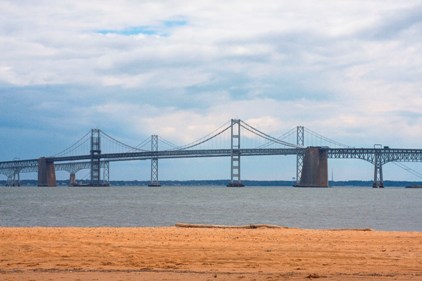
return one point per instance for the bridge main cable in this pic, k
(266, 136)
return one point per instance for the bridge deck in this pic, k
(367, 154)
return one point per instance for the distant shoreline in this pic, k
(273, 183)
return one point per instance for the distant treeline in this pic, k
(275, 183)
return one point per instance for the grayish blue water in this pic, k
(352, 207)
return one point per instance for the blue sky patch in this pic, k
(162, 29)
(175, 23)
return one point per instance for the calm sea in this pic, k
(351, 207)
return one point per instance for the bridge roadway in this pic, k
(367, 154)
(376, 156)
(78, 162)
(9, 168)
(168, 154)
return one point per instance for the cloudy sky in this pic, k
(349, 70)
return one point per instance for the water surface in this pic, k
(351, 207)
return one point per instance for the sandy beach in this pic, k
(173, 253)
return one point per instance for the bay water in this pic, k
(313, 208)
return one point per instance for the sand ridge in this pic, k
(173, 253)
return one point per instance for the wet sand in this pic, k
(172, 253)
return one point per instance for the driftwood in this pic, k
(254, 226)
(247, 226)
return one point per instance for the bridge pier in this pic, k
(13, 179)
(46, 172)
(378, 178)
(300, 141)
(72, 179)
(315, 168)
(106, 172)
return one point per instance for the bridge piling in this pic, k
(72, 179)
(46, 172)
(13, 179)
(315, 168)
(378, 178)
(106, 172)
(300, 140)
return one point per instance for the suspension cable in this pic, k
(408, 169)
(206, 138)
(271, 139)
(144, 142)
(169, 143)
(121, 143)
(74, 146)
(283, 136)
(266, 136)
(327, 139)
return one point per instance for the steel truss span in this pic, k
(370, 154)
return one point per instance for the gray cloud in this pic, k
(396, 23)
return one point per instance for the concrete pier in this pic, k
(72, 179)
(315, 168)
(46, 172)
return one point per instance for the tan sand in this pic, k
(171, 253)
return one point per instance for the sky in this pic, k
(349, 70)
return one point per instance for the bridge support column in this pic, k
(46, 172)
(106, 173)
(13, 179)
(300, 140)
(315, 168)
(378, 178)
(235, 155)
(72, 179)
(154, 162)
(95, 157)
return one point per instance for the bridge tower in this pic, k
(95, 156)
(154, 162)
(300, 140)
(235, 155)
(378, 179)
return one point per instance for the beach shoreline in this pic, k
(185, 253)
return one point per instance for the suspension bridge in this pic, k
(234, 139)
